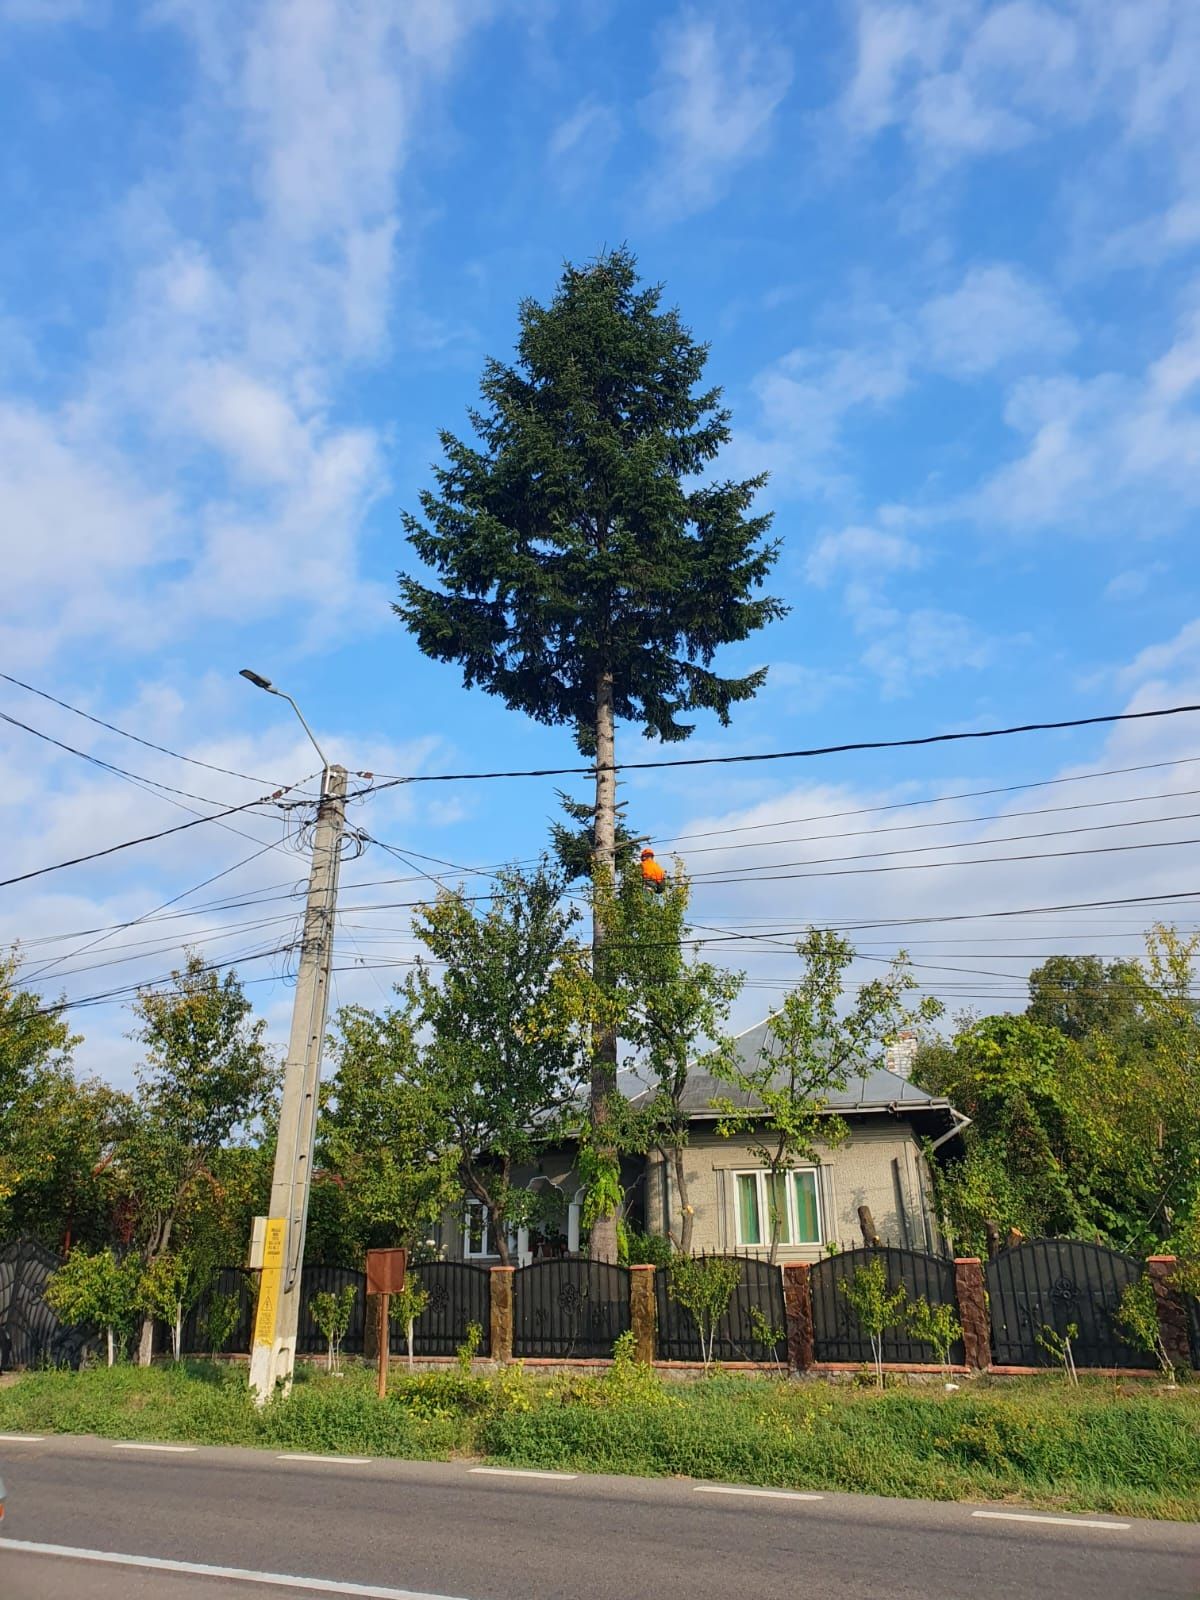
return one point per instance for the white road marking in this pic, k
(523, 1472)
(281, 1580)
(170, 1449)
(763, 1494)
(337, 1461)
(21, 1438)
(1062, 1522)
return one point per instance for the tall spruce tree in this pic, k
(588, 572)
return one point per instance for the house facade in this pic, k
(881, 1166)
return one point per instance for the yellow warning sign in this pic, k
(270, 1280)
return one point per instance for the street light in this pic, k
(260, 682)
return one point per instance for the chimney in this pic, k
(901, 1053)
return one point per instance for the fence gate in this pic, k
(836, 1332)
(753, 1328)
(1054, 1283)
(459, 1294)
(569, 1306)
(30, 1333)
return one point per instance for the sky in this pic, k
(947, 259)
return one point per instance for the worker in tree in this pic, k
(653, 875)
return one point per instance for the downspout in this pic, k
(961, 1121)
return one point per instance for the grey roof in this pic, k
(875, 1090)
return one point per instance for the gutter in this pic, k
(961, 1121)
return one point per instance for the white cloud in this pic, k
(581, 144)
(923, 643)
(995, 316)
(1134, 583)
(860, 549)
(717, 93)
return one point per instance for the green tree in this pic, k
(816, 1045)
(205, 1078)
(505, 1021)
(169, 1287)
(1082, 995)
(97, 1290)
(590, 569)
(937, 1325)
(876, 1307)
(383, 1145)
(1034, 1144)
(224, 1312)
(670, 1004)
(331, 1313)
(407, 1306)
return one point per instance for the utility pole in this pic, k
(277, 1247)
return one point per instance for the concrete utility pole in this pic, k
(277, 1247)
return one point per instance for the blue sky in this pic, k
(255, 254)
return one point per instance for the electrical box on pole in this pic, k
(278, 1246)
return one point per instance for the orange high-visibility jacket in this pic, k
(652, 873)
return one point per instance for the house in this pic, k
(881, 1165)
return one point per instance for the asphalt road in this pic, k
(259, 1525)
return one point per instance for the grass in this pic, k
(1125, 1449)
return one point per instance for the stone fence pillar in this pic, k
(643, 1313)
(971, 1295)
(797, 1308)
(501, 1320)
(1172, 1312)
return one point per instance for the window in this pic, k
(477, 1232)
(790, 1197)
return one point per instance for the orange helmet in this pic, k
(647, 854)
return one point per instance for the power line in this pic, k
(137, 738)
(108, 766)
(128, 844)
(390, 780)
(766, 869)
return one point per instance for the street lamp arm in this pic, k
(260, 682)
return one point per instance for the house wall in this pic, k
(877, 1166)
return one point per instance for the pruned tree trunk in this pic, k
(408, 1334)
(177, 1331)
(603, 1241)
(869, 1231)
(111, 1345)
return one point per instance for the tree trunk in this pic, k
(111, 1351)
(408, 1333)
(177, 1331)
(603, 1241)
(686, 1219)
(146, 1342)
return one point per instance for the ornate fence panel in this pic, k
(743, 1332)
(310, 1341)
(1193, 1309)
(459, 1294)
(242, 1284)
(1055, 1283)
(569, 1307)
(30, 1333)
(837, 1335)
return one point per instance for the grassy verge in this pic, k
(1102, 1447)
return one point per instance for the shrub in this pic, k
(704, 1286)
(937, 1325)
(220, 1321)
(97, 1289)
(875, 1308)
(1137, 1317)
(332, 1313)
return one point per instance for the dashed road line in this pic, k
(523, 1472)
(762, 1494)
(336, 1461)
(167, 1449)
(1061, 1522)
(22, 1438)
(278, 1580)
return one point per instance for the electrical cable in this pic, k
(390, 780)
(163, 749)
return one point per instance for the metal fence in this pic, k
(30, 1333)
(1055, 1284)
(752, 1328)
(459, 1294)
(837, 1335)
(569, 1307)
(242, 1284)
(1193, 1311)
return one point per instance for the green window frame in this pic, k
(796, 1192)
